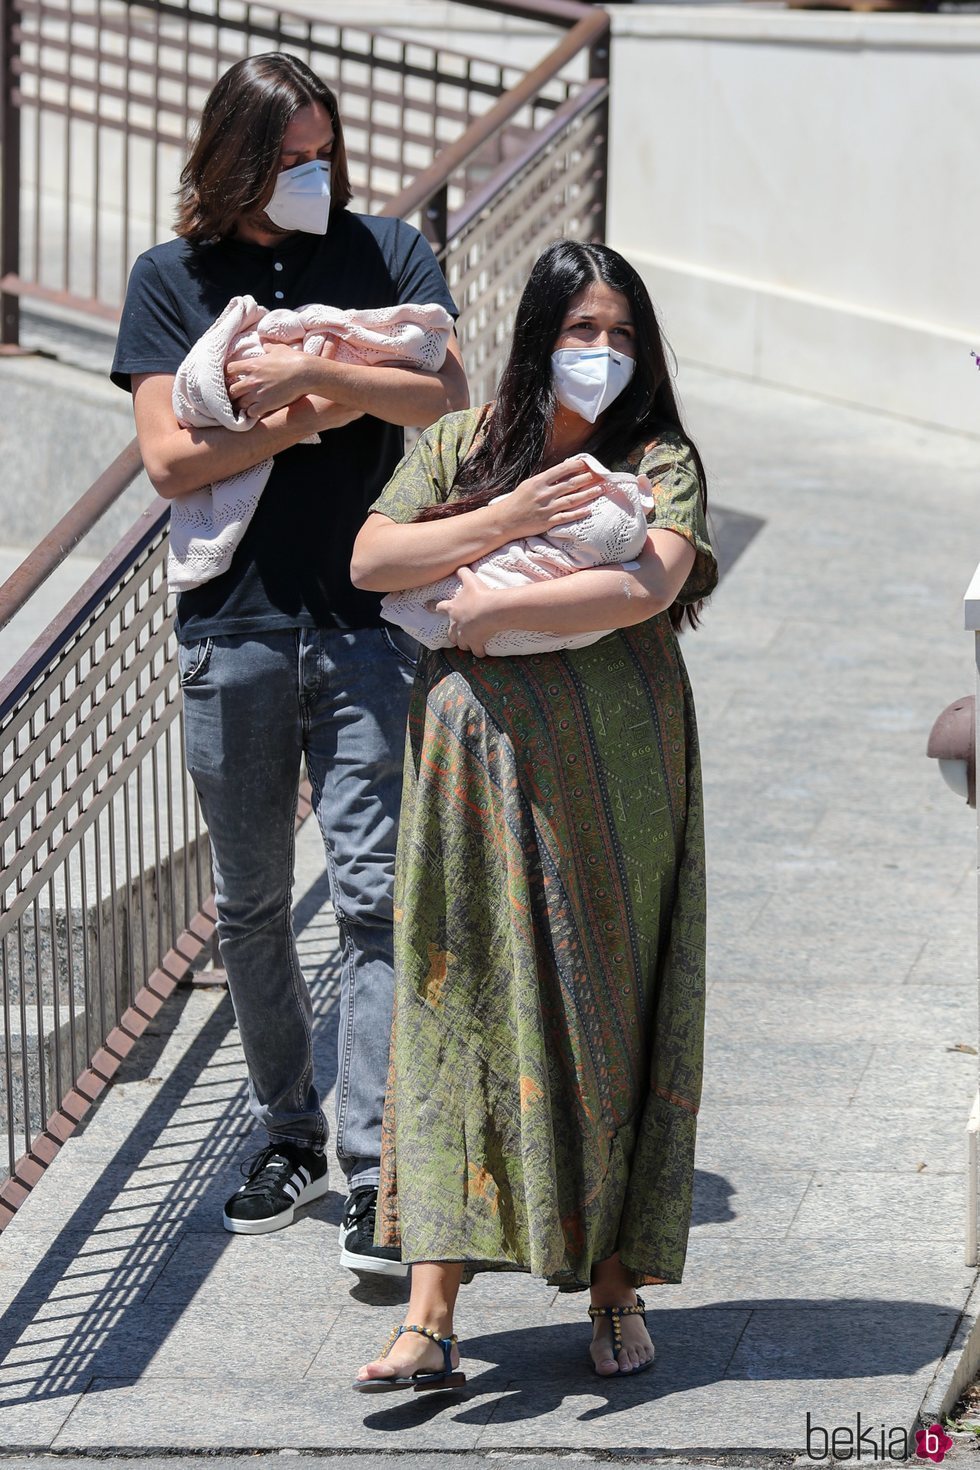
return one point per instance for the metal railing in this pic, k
(105, 864)
(101, 96)
(104, 898)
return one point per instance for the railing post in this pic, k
(599, 67)
(435, 220)
(9, 177)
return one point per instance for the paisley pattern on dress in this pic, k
(550, 935)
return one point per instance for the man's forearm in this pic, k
(185, 459)
(409, 397)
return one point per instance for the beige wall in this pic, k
(800, 191)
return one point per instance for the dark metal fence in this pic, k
(104, 894)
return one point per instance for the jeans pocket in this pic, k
(193, 659)
(402, 644)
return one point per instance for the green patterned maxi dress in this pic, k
(549, 935)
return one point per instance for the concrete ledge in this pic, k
(960, 1365)
(60, 428)
(812, 344)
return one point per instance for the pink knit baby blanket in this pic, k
(612, 528)
(207, 525)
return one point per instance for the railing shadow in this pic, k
(167, 1177)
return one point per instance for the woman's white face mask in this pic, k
(301, 198)
(588, 379)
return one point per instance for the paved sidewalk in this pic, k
(825, 1273)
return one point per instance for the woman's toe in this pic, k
(377, 1369)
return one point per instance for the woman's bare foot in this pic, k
(612, 1286)
(637, 1346)
(410, 1353)
(435, 1286)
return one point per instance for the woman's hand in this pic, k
(473, 614)
(549, 499)
(259, 385)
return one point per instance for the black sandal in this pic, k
(445, 1377)
(615, 1315)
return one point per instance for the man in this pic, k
(280, 657)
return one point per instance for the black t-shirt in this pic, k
(292, 567)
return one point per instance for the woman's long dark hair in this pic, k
(514, 443)
(234, 164)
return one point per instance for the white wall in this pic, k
(800, 191)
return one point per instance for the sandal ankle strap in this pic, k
(445, 1343)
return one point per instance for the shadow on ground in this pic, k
(168, 1179)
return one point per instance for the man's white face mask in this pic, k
(301, 198)
(587, 379)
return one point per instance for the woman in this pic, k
(546, 1051)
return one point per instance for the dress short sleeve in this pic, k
(425, 476)
(670, 467)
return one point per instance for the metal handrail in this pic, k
(48, 555)
(481, 199)
(585, 34)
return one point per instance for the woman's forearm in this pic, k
(390, 556)
(601, 597)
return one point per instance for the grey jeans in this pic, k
(254, 705)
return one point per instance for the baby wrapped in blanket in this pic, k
(612, 529)
(207, 525)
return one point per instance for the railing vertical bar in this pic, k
(38, 155)
(155, 773)
(141, 851)
(25, 1075)
(66, 145)
(171, 845)
(186, 829)
(135, 981)
(39, 1008)
(126, 160)
(70, 969)
(155, 147)
(372, 96)
(86, 946)
(100, 967)
(59, 1088)
(110, 812)
(8, 1056)
(96, 161)
(10, 175)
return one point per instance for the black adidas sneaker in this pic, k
(278, 1179)
(358, 1251)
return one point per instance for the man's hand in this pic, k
(473, 614)
(330, 415)
(260, 385)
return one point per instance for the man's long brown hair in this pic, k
(235, 158)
